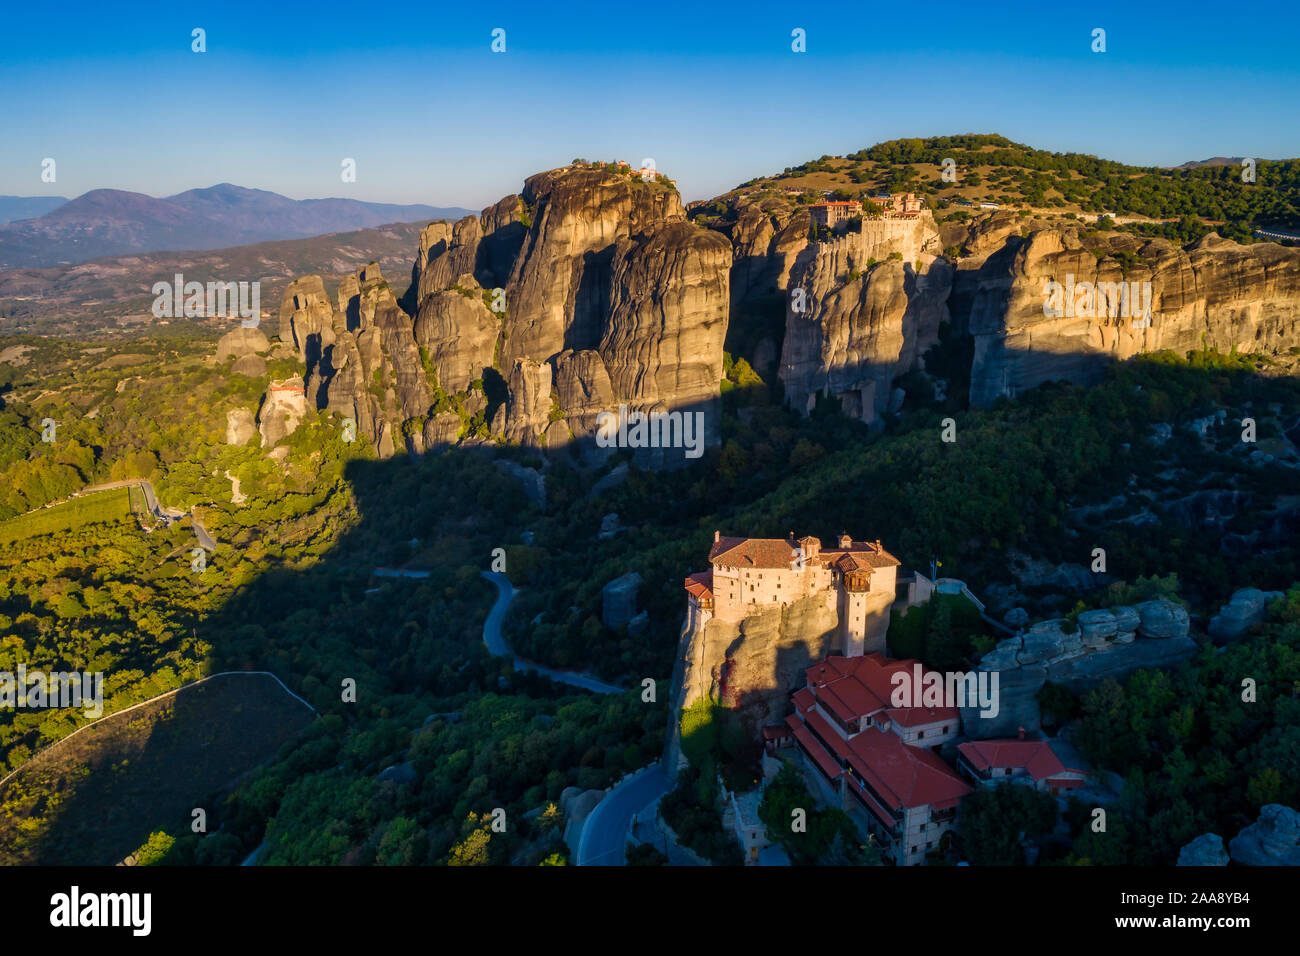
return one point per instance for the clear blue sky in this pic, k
(710, 91)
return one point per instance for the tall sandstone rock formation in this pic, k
(1214, 293)
(587, 291)
(853, 325)
(592, 290)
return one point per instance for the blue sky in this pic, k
(710, 91)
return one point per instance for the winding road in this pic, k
(496, 644)
(604, 832)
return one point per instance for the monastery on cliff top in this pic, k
(859, 579)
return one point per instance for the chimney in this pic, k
(1022, 733)
(717, 536)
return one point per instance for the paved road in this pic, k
(604, 833)
(496, 644)
(156, 509)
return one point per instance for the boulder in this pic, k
(754, 666)
(1127, 619)
(1162, 619)
(1004, 656)
(240, 426)
(1205, 850)
(1018, 689)
(254, 366)
(241, 342)
(398, 773)
(1273, 840)
(1097, 627)
(1017, 617)
(1044, 641)
(1246, 608)
(534, 481)
(618, 600)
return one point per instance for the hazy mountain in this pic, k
(27, 207)
(105, 222)
(1212, 161)
(115, 292)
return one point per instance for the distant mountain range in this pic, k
(107, 222)
(27, 207)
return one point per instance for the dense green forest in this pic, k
(440, 735)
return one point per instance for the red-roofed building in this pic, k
(1032, 762)
(872, 759)
(858, 579)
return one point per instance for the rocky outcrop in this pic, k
(283, 408)
(1205, 850)
(852, 327)
(1247, 608)
(362, 358)
(532, 480)
(241, 342)
(1213, 293)
(1110, 644)
(755, 665)
(240, 426)
(306, 318)
(527, 414)
(766, 239)
(458, 332)
(1273, 840)
(618, 600)
(604, 289)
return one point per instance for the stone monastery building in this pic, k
(859, 579)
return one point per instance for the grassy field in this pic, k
(101, 507)
(94, 798)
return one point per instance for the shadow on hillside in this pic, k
(407, 644)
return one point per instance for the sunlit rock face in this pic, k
(1214, 293)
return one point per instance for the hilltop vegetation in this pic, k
(991, 168)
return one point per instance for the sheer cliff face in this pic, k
(765, 246)
(849, 334)
(607, 296)
(1214, 293)
(361, 358)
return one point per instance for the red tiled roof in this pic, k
(1034, 756)
(776, 732)
(753, 553)
(700, 584)
(864, 554)
(872, 803)
(781, 553)
(920, 716)
(803, 699)
(905, 776)
(814, 749)
(827, 733)
(863, 686)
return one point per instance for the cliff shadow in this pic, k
(410, 645)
